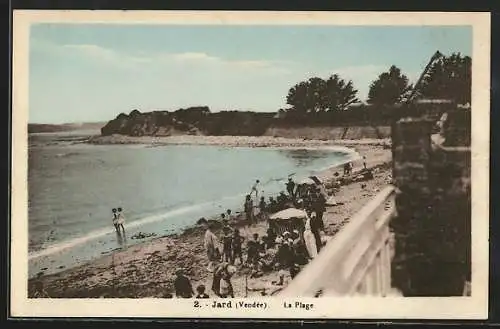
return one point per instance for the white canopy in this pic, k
(307, 181)
(311, 180)
(289, 213)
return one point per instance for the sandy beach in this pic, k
(148, 269)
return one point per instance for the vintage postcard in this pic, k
(291, 165)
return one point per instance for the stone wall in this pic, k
(432, 229)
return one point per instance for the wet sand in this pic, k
(148, 269)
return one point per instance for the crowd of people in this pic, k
(260, 254)
(286, 253)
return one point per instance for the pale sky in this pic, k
(93, 72)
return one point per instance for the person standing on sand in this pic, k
(262, 209)
(318, 204)
(115, 220)
(120, 220)
(210, 242)
(309, 239)
(255, 188)
(290, 187)
(221, 274)
(183, 287)
(249, 209)
(227, 241)
(316, 227)
(364, 162)
(225, 285)
(237, 241)
(229, 216)
(253, 248)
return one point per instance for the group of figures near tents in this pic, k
(295, 235)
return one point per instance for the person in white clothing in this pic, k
(309, 239)
(120, 220)
(255, 188)
(211, 244)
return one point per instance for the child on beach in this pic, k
(249, 209)
(115, 220)
(262, 208)
(237, 241)
(229, 216)
(253, 249)
(120, 220)
(255, 188)
(227, 241)
(290, 187)
(201, 292)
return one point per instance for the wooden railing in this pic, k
(357, 260)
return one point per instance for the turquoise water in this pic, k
(72, 188)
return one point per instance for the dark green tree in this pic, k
(449, 78)
(317, 95)
(339, 94)
(388, 88)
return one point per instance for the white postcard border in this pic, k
(473, 307)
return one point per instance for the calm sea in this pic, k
(73, 187)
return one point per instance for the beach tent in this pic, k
(288, 220)
(289, 214)
(307, 181)
(316, 180)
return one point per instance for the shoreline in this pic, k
(233, 141)
(136, 267)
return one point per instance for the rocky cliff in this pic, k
(356, 123)
(191, 121)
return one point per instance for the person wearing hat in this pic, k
(183, 287)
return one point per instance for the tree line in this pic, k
(447, 78)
